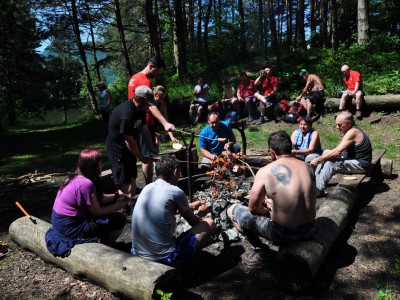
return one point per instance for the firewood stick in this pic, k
(218, 139)
(25, 213)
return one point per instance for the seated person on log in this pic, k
(153, 219)
(354, 84)
(153, 124)
(282, 200)
(217, 138)
(306, 142)
(201, 102)
(313, 93)
(267, 99)
(353, 154)
(245, 94)
(81, 212)
(229, 99)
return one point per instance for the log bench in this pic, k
(120, 273)
(298, 263)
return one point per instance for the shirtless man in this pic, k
(282, 202)
(313, 92)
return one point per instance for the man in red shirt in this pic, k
(245, 94)
(354, 85)
(267, 101)
(154, 68)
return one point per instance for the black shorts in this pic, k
(316, 97)
(123, 168)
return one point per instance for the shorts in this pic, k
(105, 115)
(185, 247)
(347, 92)
(316, 97)
(123, 168)
(268, 229)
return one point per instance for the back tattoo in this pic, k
(282, 173)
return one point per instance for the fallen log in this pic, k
(373, 101)
(117, 271)
(298, 263)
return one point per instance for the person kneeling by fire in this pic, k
(216, 139)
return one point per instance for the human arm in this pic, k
(347, 141)
(158, 115)
(134, 149)
(208, 154)
(311, 147)
(305, 90)
(258, 193)
(239, 93)
(356, 88)
(96, 210)
(164, 112)
(110, 198)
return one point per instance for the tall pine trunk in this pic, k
(363, 22)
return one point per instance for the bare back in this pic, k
(314, 83)
(290, 184)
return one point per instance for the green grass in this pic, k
(55, 148)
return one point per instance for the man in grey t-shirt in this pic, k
(153, 219)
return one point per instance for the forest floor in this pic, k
(363, 263)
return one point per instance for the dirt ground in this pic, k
(363, 260)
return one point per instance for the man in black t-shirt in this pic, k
(122, 146)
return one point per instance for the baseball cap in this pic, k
(146, 93)
(302, 72)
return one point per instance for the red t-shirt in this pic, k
(137, 80)
(269, 85)
(246, 90)
(354, 76)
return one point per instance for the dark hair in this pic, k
(243, 73)
(87, 166)
(166, 165)
(157, 62)
(280, 142)
(306, 119)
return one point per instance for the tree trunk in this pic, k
(313, 23)
(274, 36)
(9, 97)
(96, 63)
(191, 23)
(299, 262)
(324, 23)
(389, 101)
(300, 34)
(82, 55)
(153, 31)
(242, 34)
(199, 20)
(179, 40)
(289, 25)
(260, 25)
(117, 271)
(334, 20)
(122, 40)
(363, 22)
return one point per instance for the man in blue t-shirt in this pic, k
(210, 146)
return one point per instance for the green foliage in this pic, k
(384, 293)
(397, 267)
(163, 295)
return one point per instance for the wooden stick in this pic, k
(254, 175)
(25, 213)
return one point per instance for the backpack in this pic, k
(293, 112)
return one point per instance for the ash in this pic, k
(219, 194)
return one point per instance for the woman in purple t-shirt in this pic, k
(81, 212)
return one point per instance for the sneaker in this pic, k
(250, 119)
(320, 194)
(256, 258)
(261, 120)
(359, 115)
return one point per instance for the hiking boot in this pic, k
(250, 119)
(256, 258)
(261, 120)
(359, 115)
